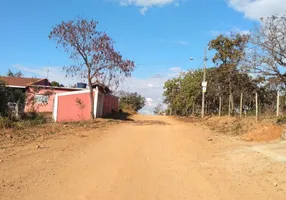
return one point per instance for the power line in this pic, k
(181, 62)
(162, 63)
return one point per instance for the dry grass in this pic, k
(14, 136)
(267, 129)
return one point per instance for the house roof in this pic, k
(101, 86)
(19, 81)
(58, 88)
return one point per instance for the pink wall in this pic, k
(69, 110)
(42, 107)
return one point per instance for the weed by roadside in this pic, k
(30, 130)
(29, 120)
(267, 129)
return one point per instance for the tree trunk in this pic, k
(241, 105)
(229, 105)
(219, 108)
(91, 96)
(232, 104)
(91, 102)
(256, 106)
(277, 104)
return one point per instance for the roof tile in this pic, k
(19, 81)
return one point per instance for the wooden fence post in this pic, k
(278, 104)
(219, 109)
(241, 99)
(229, 105)
(256, 106)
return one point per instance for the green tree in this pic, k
(229, 52)
(14, 74)
(4, 98)
(159, 109)
(10, 95)
(56, 84)
(132, 101)
(182, 92)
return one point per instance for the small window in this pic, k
(40, 98)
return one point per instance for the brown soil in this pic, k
(163, 161)
(247, 128)
(263, 133)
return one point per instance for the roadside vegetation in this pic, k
(12, 117)
(131, 102)
(243, 65)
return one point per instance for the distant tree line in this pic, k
(243, 64)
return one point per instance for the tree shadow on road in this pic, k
(149, 122)
(119, 115)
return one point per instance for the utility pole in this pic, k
(204, 84)
(48, 73)
(240, 109)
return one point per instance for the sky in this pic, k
(158, 35)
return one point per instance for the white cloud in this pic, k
(181, 42)
(149, 101)
(143, 10)
(146, 4)
(255, 9)
(176, 69)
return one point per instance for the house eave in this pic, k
(55, 87)
(16, 86)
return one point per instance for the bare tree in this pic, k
(93, 53)
(268, 55)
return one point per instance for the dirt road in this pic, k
(146, 160)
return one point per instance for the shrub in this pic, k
(281, 120)
(131, 102)
(5, 122)
(30, 119)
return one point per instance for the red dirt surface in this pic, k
(142, 160)
(246, 128)
(263, 134)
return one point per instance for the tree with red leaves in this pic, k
(93, 52)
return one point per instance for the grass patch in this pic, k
(281, 120)
(28, 120)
